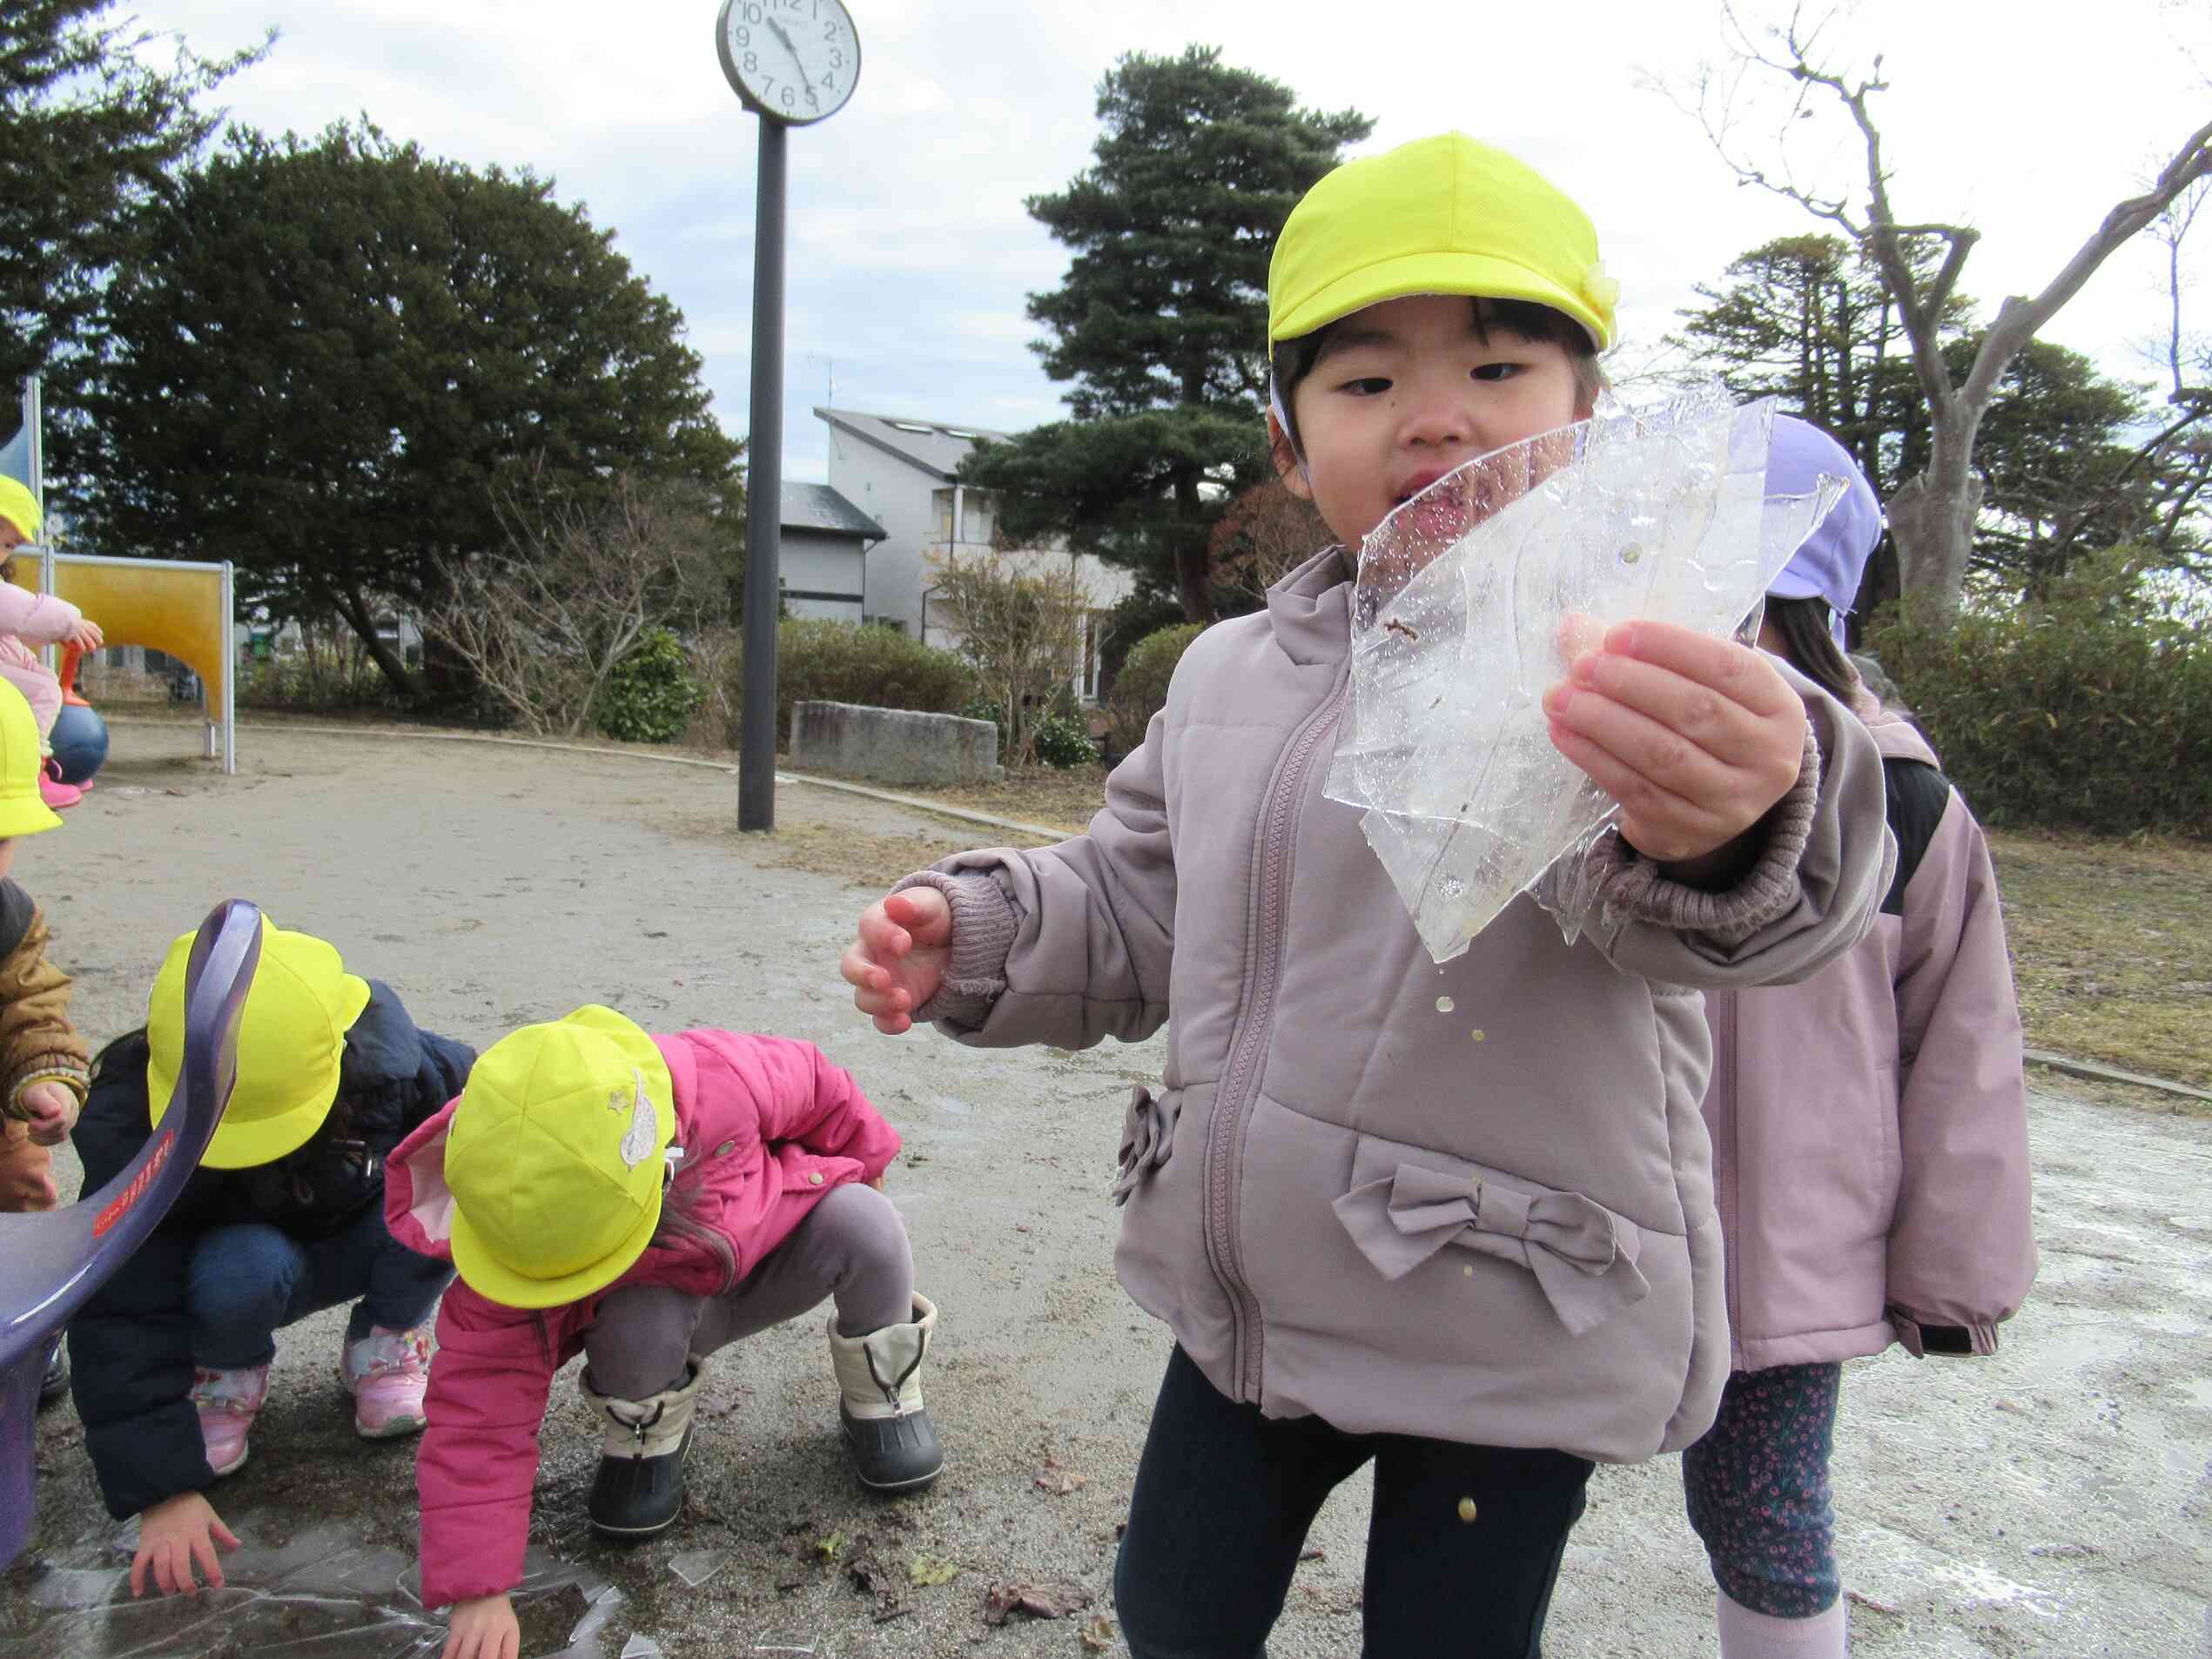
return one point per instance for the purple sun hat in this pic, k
(1830, 563)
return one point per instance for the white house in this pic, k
(900, 472)
(821, 543)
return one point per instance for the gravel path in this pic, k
(2053, 1500)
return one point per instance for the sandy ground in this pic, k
(2052, 1500)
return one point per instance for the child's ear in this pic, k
(1288, 468)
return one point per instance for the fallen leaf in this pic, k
(1098, 1633)
(1054, 1599)
(926, 1571)
(1061, 1483)
(828, 1548)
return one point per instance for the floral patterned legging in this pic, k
(1757, 1490)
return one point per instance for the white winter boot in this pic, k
(639, 1489)
(887, 1426)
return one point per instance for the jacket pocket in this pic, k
(1147, 1137)
(1405, 1206)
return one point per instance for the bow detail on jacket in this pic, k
(1583, 1255)
(1148, 1139)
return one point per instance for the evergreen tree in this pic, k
(1160, 323)
(87, 129)
(344, 366)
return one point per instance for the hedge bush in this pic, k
(1140, 689)
(650, 696)
(818, 660)
(2091, 709)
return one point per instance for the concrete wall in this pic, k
(892, 745)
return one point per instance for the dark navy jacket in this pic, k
(131, 1347)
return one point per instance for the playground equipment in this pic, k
(50, 1262)
(173, 605)
(80, 739)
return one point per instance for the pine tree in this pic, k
(1160, 323)
(339, 363)
(88, 129)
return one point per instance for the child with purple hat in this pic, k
(1870, 1135)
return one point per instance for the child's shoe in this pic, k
(639, 1489)
(228, 1401)
(53, 1381)
(387, 1373)
(879, 1376)
(56, 794)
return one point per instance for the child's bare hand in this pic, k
(174, 1535)
(27, 1184)
(483, 1627)
(87, 635)
(1696, 738)
(896, 961)
(52, 1107)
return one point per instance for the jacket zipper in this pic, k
(1226, 1140)
(1724, 1192)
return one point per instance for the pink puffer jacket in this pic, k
(767, 1127)
(1870, 1124)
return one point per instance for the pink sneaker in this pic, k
(387, 1373)
(56, 794)
(228, 1401)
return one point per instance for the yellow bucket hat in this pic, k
(291, 1040)
(24, 811)
(556, 1157)
(19, 507)
(1438, 215)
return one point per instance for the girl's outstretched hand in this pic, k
(483, 1627)
(1696, 738)
(174, 1536)
(896, 961)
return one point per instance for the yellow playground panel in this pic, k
(170, 605)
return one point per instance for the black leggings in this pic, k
(1225, 1496)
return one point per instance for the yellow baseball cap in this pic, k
(556, 1157)
(291, 1043)
(24, 811)
(19, 507)
(1439, 216)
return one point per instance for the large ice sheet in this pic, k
(1473, 596)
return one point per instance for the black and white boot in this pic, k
(639, 1489)
(879, 1377)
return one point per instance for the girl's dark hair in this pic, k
(1294, 359)
(677, 1222)
(1803, 624)
(8, 567)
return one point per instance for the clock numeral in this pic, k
(744, 35)
(751, 13)
(830, 81)
(812, 99)
(837, 60)
(787, 98)
(752, 63)
(828, 31)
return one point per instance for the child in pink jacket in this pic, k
(29, 619)
(642, 1200)
(1870, 1137)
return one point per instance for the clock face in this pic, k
(794, 61)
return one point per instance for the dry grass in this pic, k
(1063, 800)
(2112, 948)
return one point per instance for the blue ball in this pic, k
(80, 741)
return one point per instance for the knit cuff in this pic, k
(63, 1068)
(984, 925)
(1629, 887)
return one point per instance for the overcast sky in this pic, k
(910, 253)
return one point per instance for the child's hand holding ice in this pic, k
(1696, 738)
(896, 961)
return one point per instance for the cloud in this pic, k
(909, 255)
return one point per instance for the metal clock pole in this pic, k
(765, 493)
(792, 62)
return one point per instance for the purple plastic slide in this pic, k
(50, 1262)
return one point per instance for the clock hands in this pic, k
(790, 46)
